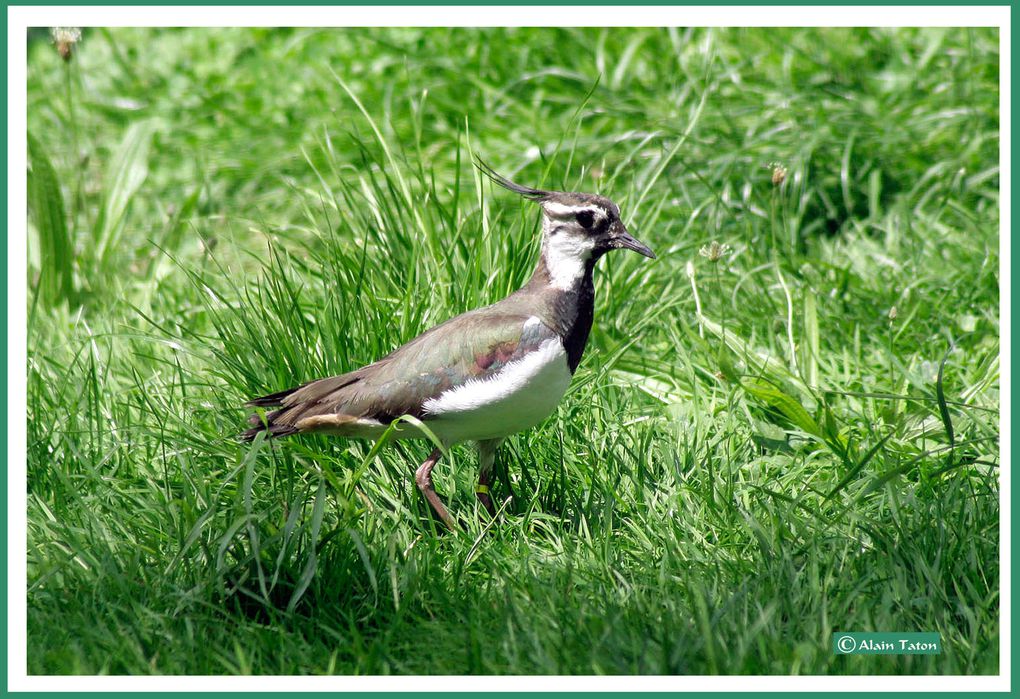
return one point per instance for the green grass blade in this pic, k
(940, 395)
(811, 335)
(312, 559)
(56, 250)
(786, 404)
(125, 173)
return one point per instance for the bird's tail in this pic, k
(267, 422)
(319, 398)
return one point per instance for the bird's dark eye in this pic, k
(585, 218)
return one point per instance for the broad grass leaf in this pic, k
(786, 404)
(312, 562)
(125, 173)
(46, 202)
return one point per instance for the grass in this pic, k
(797, 437)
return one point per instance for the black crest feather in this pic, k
(526, 192)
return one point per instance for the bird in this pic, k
(483, 375)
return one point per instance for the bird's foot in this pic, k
(486, 500)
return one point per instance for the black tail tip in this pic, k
(273, 400)
(272, 432)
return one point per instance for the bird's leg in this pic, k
(486, 460)
(423, 477)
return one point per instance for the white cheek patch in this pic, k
(567, 246)
(566, 255)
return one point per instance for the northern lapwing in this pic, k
(483, 375)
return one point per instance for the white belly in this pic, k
(521, 395)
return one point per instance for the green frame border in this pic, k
(539, 3)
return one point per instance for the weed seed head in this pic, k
(778, 174)
(714, 251)
(65, 39)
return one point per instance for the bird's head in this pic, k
(577, 228)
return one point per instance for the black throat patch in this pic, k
(574, 309)
(568, 312)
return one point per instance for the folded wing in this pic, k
(473, 346)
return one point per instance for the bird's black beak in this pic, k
(622, 239)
